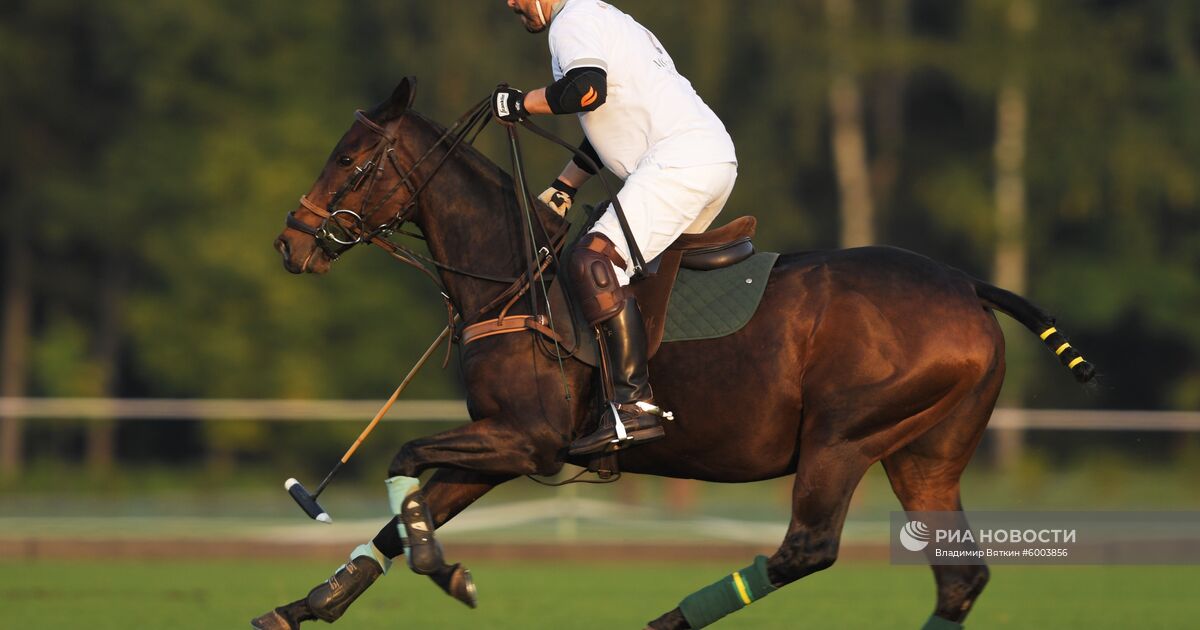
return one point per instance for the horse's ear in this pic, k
(399, 102)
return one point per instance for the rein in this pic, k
(341, 228)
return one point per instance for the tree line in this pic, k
(152, 150)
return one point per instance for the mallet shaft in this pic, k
(388, 405)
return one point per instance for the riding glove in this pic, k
(508, 104)
(559, 196)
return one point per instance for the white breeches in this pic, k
(662, 203)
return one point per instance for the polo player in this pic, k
(644, 122)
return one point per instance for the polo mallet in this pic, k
(307, 501)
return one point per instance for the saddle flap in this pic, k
(654, 293)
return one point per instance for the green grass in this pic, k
(200, 594)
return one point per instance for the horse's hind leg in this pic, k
(821, 495)
(925, 477)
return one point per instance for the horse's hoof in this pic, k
(457, 582)
(272, 621)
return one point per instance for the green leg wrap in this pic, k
(937, 623)
(369, 550)
(398, 489)
(730, 594)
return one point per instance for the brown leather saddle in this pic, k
(714, 249)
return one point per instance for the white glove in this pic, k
(559, 196)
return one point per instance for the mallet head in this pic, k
(306, 501)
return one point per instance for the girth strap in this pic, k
(505, 325)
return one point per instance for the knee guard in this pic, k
(600, 293)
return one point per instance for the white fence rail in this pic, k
(167, 409)
(228, 409)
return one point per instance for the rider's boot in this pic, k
(327, 601)
(624, 337)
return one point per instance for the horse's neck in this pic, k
(468, 216)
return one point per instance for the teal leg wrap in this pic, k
(937, 623)
(398, 489)
(368, 550)
(730, 594)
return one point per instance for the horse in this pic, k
(853, 357)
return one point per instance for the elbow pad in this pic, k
(581, 90)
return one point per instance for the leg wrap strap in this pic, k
(730, 594)
(398, 489)
(330, 599)
(421, 549)
(368, 550)
(938, 623)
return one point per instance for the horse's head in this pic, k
(350, 199)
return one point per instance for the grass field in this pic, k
(226, 594)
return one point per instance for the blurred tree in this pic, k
(1009, 268)
(153, 149)
(848, 135)
(14, 356)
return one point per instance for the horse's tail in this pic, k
(1038, 321)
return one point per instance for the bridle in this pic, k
(342, 228)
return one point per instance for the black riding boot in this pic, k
(624, 339)
(328, 601)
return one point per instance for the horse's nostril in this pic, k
(282, 246)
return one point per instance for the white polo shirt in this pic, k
(651, 110)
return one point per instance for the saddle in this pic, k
(711, 250)
(715, 249)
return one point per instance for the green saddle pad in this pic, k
(710, 304)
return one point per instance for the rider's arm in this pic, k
(561, 193)
(574, 176)
(576, 173)
(535, 102)
(581, 90)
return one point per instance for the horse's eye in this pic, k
(345, 160)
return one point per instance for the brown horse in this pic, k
(853, 357)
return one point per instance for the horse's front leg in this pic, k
(447, 493)
(484, 450)
(490, 446)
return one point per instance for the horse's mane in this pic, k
(474, 158)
